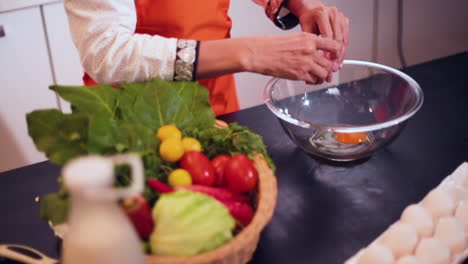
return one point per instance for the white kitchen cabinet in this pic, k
(65, 59)
(25, 75)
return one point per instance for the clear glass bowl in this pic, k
(363, 109)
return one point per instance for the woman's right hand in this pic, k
(297, 56)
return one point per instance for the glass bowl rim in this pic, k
(342, 128)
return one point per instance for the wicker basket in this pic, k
(241, 248)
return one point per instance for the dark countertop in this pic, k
(326, 212)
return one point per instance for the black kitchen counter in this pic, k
(326, 211)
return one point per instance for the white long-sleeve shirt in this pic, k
(110, 51)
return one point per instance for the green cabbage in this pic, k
(189, 223)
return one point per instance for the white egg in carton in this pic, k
(433, 231)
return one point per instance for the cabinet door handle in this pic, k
(2, 31)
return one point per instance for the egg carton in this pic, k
(434, 230)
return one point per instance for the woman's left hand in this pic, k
(319, 19)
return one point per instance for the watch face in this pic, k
(285, 19)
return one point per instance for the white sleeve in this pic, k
(110, 51)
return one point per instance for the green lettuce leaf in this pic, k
(189, 223)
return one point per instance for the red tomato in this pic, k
(219, 162)
(240, 174)
(199, 167)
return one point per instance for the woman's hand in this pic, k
(298, 56)
(327, 22)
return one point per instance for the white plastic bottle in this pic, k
(99, 231)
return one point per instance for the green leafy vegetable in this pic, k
(60, 136)
(108, 121)
(177, 103)
(54, 207)
(189, 223)
(94, 100)
(232, 140)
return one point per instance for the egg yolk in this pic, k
(351, 138)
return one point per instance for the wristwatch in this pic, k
(284, 19)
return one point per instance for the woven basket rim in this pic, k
(267, 196)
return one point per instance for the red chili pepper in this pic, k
(242, 212)
(236, 203)
(159, 186)
(139, 211)
(220, 194)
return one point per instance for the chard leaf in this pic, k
(138, 138)
(102, 99)
(104, 134)
(143, 104)
(54, 207)
(61, 137)
(196, 104)
(157, 103)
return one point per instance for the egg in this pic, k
(439, 203)
(462, 214)
(418, 217)
(401, 238)
(433, 251)
(409, 260)
(376, 253)
(451, 231)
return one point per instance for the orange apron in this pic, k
(191, 19)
